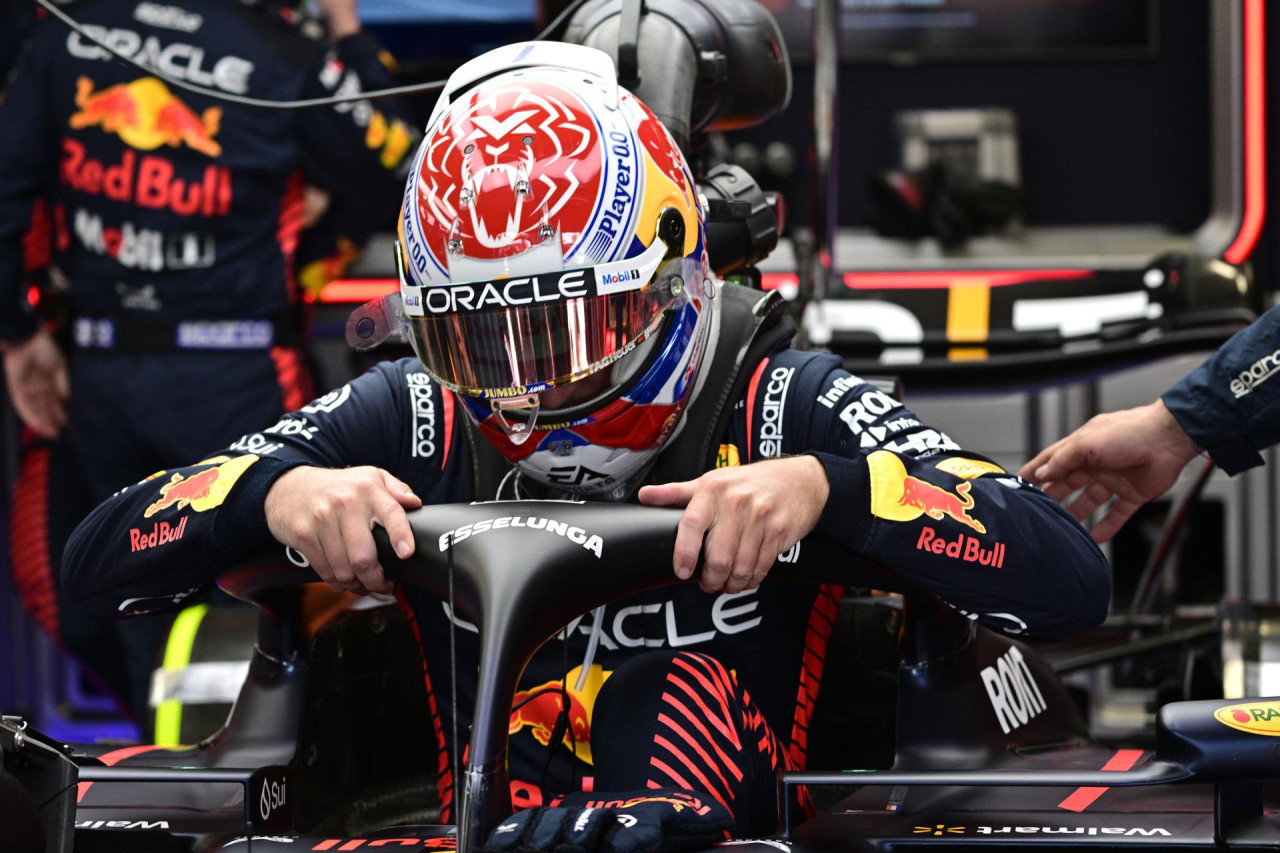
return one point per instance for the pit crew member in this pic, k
(174, 220)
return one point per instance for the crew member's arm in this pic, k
(158, 542)
(902, 493)
(1230, 405)
(1123, 459)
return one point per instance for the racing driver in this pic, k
(573, 342)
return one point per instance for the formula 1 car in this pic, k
(1016, 768)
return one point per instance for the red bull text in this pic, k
(147, 181)
(162, 533)
(966, 548)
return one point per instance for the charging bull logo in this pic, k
(203, 490)
(937, 502)
(539, 708)
(146, 115)
(895, 496)
(503, 163)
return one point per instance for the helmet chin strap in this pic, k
(526, 408)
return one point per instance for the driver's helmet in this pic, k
(551, 229)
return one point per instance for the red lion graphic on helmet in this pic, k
(505, 163)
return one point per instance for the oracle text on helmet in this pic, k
(507, 293)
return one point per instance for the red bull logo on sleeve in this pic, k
(203, 490)
(937, 503)
(146, 115)
(895, 496)
(538, 708)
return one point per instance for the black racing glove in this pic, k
(639, 822)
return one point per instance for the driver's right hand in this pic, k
(328, 515)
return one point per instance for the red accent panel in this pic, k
(821, 618)
(1255, 135)
(692, 768)
(684, 735)
(698, 725)
(288, 227)
(751, 405)
(111, 759)
(443, 771)
(37, 243)
(1082, 798)
(944, 280)
(776, 280)
(29, 540)
(716, 690)
(294, 378)
(358, 290)
(670, 774)
(719, 723)
(447, 407)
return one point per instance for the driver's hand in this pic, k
(328, 515)
(749, 514)
(35, 372)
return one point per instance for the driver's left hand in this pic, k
(750, 514)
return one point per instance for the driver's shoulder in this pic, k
(393, 376)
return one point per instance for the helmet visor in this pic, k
(521, 335)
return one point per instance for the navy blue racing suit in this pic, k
(175, 223)
(1230, 405)
(739, 673)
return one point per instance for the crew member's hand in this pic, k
(1132, 455)
(750, 514)
(328, 515)
(35, 372)
(341, 17)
